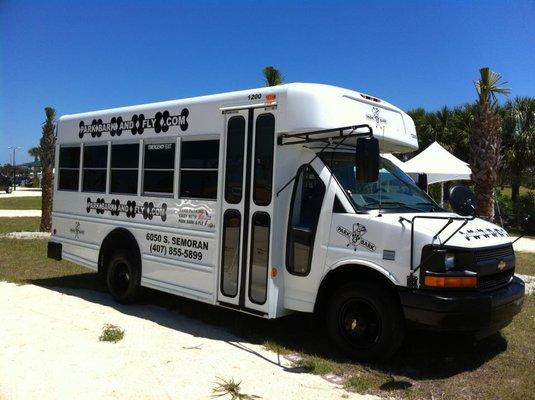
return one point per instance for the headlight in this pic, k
(449, 261)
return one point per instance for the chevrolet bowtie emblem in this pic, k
(501, 265)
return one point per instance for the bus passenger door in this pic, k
(233, 205)
(247, 210)
(260, 211)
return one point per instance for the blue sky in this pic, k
(82, 56)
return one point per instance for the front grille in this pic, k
(496, 254)
(495, 281)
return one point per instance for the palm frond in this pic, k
(489, 85)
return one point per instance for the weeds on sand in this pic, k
(232, 388)
(111, 333)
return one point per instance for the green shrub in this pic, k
(111, 333)
(513, 217)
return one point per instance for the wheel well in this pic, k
(119, 238)
(345, 274)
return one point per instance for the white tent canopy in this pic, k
(439, 165)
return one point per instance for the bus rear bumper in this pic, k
(54, 250)
(479, 313)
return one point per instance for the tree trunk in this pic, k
(46, 201)
(485, 145)
(515, 188)
(47, 150)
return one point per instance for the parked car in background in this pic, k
(5, 184)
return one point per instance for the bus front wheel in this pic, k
(365, 321)
(123, 277)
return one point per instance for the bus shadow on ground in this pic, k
(424, 355)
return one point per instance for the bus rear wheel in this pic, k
(365, 321)
(123, 277)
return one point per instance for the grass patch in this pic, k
(19, 224)
(111, 333)
(20, 203)
(25, 261)
(506, 191)
(525, 263)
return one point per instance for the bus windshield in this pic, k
(393, 190)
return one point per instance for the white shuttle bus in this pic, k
(275, 200)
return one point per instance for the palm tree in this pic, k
(34, 152)
(272, 76)
(485, 141)
(46, 154)
(519, 140)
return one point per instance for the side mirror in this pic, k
(422, 182)
(462, 200)
(367, 160)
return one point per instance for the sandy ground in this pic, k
(22, 192)
(529, 281)
(49, 349)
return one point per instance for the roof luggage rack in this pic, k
(286, 139)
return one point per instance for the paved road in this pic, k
(22, 192)
(524, 244)
(20, 213)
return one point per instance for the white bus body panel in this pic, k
(180, 240)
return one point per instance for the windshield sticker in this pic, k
(355, 237)
(161, 122)
(483, 233)
(130, 208)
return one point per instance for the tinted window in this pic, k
(94, 173)
(159, 169)
(160, 156)
(263, 159)
(200, 154)
(125, 155)
(234, 162)
(259, 257)
(307, 199)
(69, 157)
(69, 168)
(95, 156)
(124, 168)
(198, 169)
(231, 252)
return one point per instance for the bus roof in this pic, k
(301, 107)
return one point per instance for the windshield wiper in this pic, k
(394, 203)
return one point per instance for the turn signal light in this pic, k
(271, 98)
(450, 281)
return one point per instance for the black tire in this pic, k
(123, 277)
(365, 321)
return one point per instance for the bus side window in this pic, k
(95, 168)
(124, 168)
(69, 168)
(305, 210)
(158, 169)
(199, 162)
